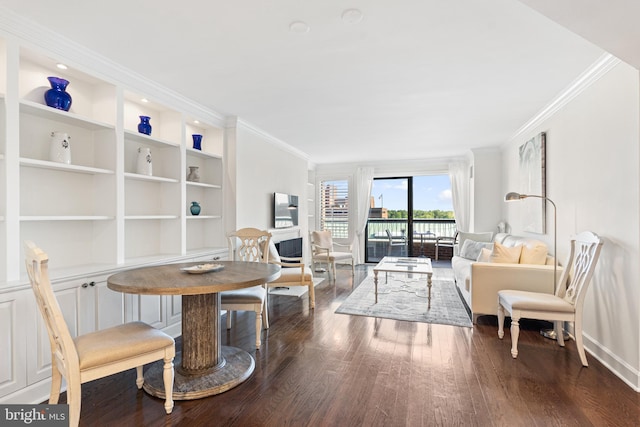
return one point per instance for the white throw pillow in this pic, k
(471, 249)
(478, 237)
(534, 252)
(505, 254)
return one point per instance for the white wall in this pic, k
(263, 167)
(487, 196)
(593, 177)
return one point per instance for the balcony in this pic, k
(421, 241)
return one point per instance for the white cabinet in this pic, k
(87, 306)
(13, 335)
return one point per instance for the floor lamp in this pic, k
(509, 197)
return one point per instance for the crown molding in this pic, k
(602, 66)
(238, 122)
(36, 37)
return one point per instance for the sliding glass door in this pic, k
(407, 215)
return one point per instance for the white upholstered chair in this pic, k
(325, 250)
(293, 273)
(245, 245)
(565, 305)
(97, 354)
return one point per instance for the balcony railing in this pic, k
(424, 233)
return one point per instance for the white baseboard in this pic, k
(619, 367)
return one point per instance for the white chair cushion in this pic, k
(252, 295)
(119, 343)
(523, 300)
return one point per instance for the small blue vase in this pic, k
(197, 142)
(57, 97)
(144, 126)
(195, 208)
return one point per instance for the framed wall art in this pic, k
(533, 181)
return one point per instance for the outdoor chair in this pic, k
(401, 243)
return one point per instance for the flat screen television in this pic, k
(285, 210)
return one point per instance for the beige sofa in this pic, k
(479, 281)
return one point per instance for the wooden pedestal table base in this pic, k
(204, 367)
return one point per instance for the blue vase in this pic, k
(57, 97)
(144, 126)
(195, 208)
(197, 142)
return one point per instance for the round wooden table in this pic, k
(204, 367)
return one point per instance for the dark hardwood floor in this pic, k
(318, 368)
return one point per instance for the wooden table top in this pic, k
(168, 279)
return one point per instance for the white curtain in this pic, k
(364, 182)
(460, 193)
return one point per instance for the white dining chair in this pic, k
(96, 354)
(565, 306)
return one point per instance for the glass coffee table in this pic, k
(404, 265)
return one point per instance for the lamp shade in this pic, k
(509, 197)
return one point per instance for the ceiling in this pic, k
(413, 79)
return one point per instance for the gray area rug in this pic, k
(398, 300)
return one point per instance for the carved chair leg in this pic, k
(139, 377)
(167, 376)
(229, 319)
(312, 295)
(258, 328)
(557, 326)
(500, 321)
(515, 333)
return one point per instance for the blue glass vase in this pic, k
(144, 126)
(195, 208)
(197, 142)
(57, 97)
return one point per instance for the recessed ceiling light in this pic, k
(352, 16)
(196, 122)
(299, 27)
(61, 66)
(145, 100)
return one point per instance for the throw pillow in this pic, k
(485, 255)
(471, 249)
(478, 237)
(505, 254)
(534, 252)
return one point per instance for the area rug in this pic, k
(295, 291)
(398, 300)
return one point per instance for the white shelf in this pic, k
(204, 154)
(204, 185)
(140, 177)
(139, 217)
(46, 112)
(66, 218)
(149, 140)
(204, 217)
(45, 164)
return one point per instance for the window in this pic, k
(334, 207)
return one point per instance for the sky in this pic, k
(429, 192)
